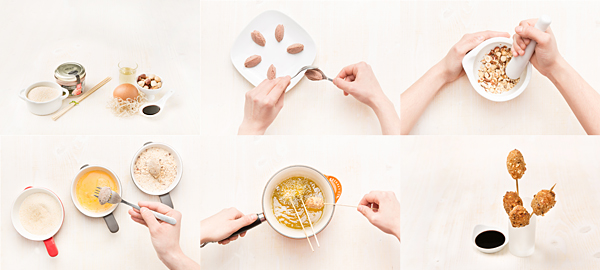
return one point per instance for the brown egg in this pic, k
(125, 91)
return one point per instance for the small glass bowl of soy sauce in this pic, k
(488, 239)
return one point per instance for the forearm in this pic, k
(177, 260)
(388, 117)
(417, 97)
(583, 100)
(249, 129)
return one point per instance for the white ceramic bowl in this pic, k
(85, 169)
(320, 180)
(47, 107)
(472, 62)
(150, 93)
(15, 213)
(482, 228)
(165, 197)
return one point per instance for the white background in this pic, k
(452, 183)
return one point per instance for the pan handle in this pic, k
(51, 247)
(259, 219)
(111, 222)
(166, 199)
(337, 186)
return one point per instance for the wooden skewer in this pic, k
(517, 186)
(353, 206)
(84, 96)
(553, 187)
(302, 225)
(310, 222)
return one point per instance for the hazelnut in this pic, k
(159, 84)
(157, 79)
(153, 83)
(146, 87)
(141, 83)
(151, 76)
(147, 82)
(141, 77)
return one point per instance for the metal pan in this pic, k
(331, 187)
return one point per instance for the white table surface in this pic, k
(345, 33)
(450, 184)
(83, 242)
(218, 173)
(240, 171)
(162, 37)
(430, 29)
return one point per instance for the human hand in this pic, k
(359, 81)
(223, 224)
(164, 236)
(387, 216)
(262, 105)
(546, 55)
(451, 64)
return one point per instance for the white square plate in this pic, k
(273, 52)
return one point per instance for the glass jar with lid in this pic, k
(71, 76)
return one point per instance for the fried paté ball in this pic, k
(511, 199)
(314, 203)
(543, 201)
(519, 217)
(515, 164)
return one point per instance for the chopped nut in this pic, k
(492, 73)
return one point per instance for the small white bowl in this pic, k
(46, 107)
(472, 62)
(149, 92)
(482, 228)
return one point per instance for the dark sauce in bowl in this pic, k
(490, 239)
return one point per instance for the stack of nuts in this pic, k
(492, 73)
(149, 81)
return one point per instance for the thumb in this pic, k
(244, 221)
(531, 32)
(342, 84)
(366, 211)
(149, 218)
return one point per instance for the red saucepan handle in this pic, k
(51, 247)
(337, 186)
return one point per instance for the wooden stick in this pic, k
(553, 187)
(517, 186)
(302, 225)
(310, 222)
(353, 206)
(80, 99)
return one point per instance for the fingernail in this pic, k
(519, 28)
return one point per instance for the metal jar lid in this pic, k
(66, 72)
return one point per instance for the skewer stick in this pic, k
(552, 187)
(84, 96)
(517, 186)
(302, 225)
(310, 222)
(347, 205)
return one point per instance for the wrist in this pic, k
(171, 257)
(247, 128)
(556, 70)
(441, 73)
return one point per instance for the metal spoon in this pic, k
(315, 68)
(115, 198)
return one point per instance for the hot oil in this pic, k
(86, 186)
(489, 239)
(291, 193)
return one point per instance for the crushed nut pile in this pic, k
(492, 75)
